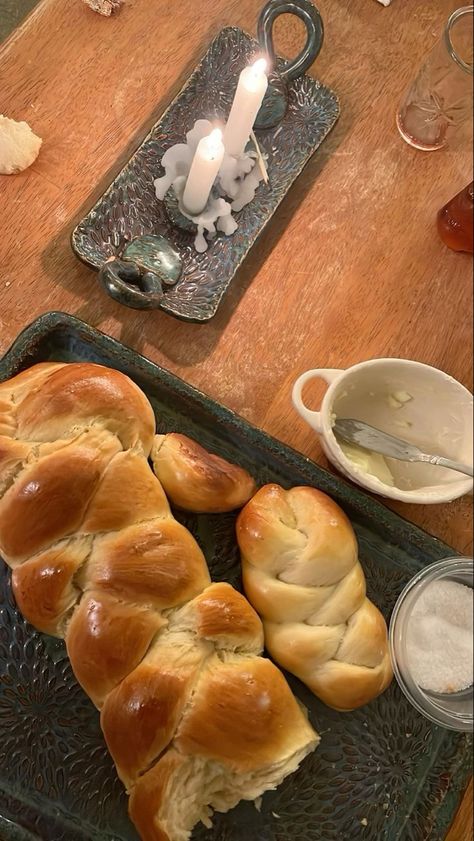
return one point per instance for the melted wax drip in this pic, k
(237, 180)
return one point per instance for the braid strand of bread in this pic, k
(302, 575)
(194, 718)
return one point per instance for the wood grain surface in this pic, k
(350, 267)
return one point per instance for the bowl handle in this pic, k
(326, 374)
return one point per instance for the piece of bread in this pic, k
(302, 575)
(197, 480)
(104, 7)
(19, 146)
(194, 717)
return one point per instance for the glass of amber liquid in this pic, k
(456, 220)
(439, 101)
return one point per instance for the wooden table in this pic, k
(349, 268)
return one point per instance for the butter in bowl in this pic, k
(406, 399)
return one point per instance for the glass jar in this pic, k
(456, 221)
(453, 711)
(439, 101)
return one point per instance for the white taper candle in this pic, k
(202, 174)
(248, 98)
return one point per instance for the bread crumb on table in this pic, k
(19, 146)
(104, 7)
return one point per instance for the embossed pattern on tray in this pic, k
(381, 773)
(130, 209)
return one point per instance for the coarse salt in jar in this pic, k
(431, 642)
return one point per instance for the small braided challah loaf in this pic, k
(302, 575)
(194, 718)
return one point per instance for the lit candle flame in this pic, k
(214, 140)
(215, 135)
(259, 66)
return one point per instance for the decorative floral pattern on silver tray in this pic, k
(381, 773)
(130, 209)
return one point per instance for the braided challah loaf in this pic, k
(302, 575)
(194, 718)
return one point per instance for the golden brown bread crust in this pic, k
(148, 706)
(12, 455)
(127, 493)
(197, 480)
(361, 669)
(51, 495)
(13, 391)
(257, 693)
(168, 780)
(151, 790)
(84, 394)
(301, 573)
(239, 717)
(157, 563)
(223, 615)
(98, 557)
(288, 529)
(106, 639)
(44, 586)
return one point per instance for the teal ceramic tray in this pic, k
(381, 773)
(129, 209)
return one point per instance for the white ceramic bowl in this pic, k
(438, 418)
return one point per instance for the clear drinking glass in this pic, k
(440, 98)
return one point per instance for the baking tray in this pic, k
(130, 209)
(381, 772)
